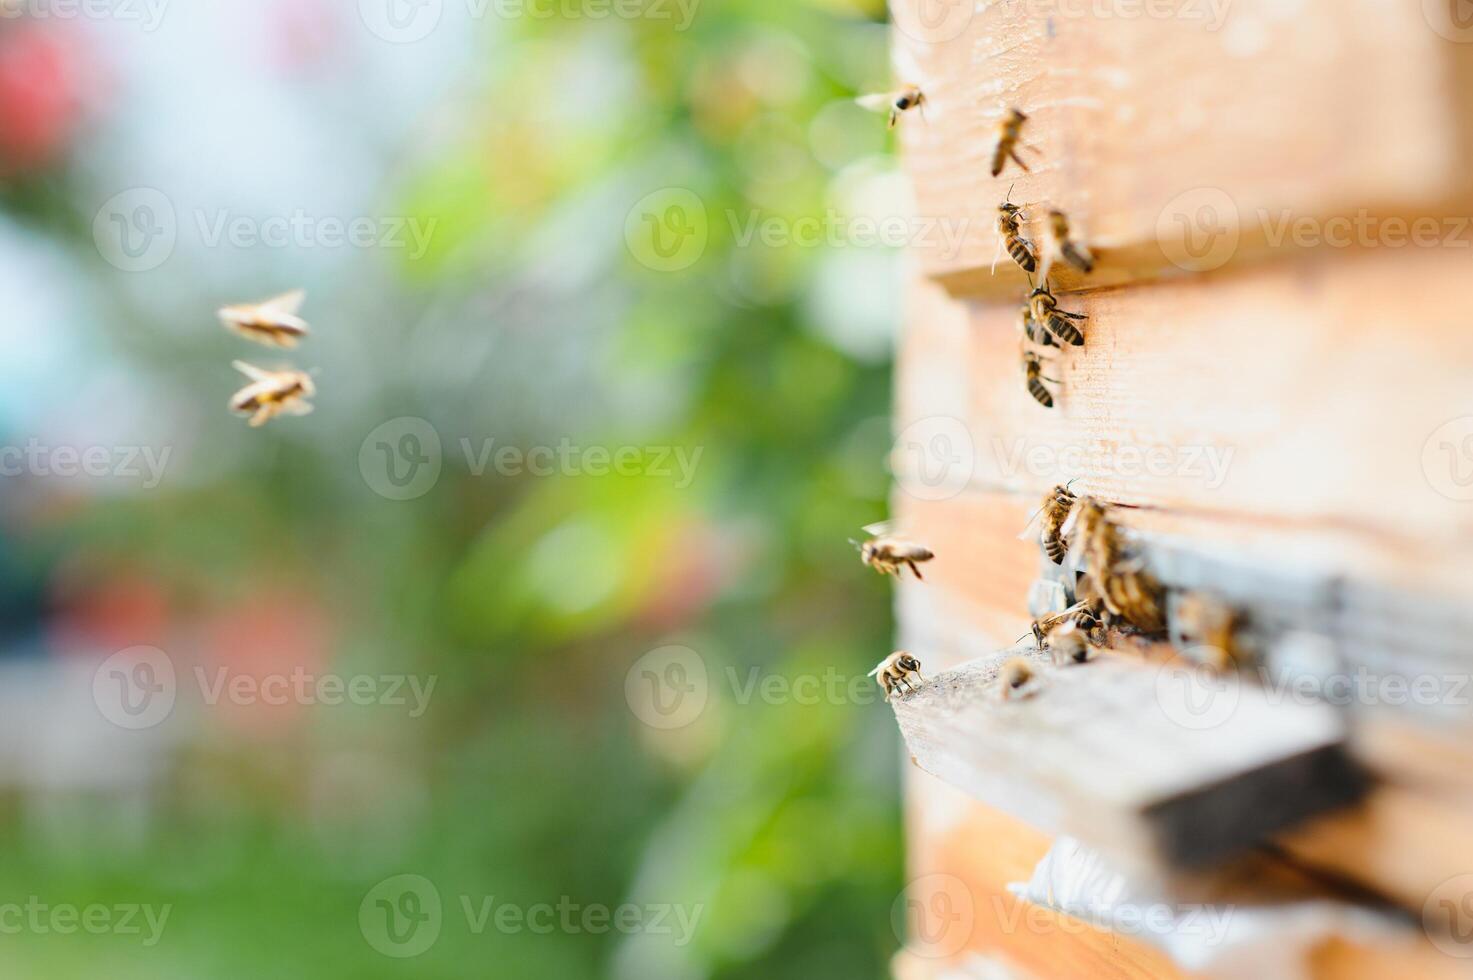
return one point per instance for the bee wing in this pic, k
(875, 102)
(876, 670)
(288, 302)
(878, 528)
(250, 371)
(1067, 528)
(298, 407)
(1027, 531)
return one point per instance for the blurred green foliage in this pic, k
(529, 598)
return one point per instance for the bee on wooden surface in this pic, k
(1211, 627)
(896, 670)
(1009, 138)
(1044, 308)
(272, 393)
(1016, 679)
(1033, 375)
(1064, 246)
(901, 100)
(1118, 581)
(887, 553)
(1010, 236)
(273, 322)
(1070, 644)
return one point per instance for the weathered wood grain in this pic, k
(1316, 397)
(1118, 755)
(1161, 124)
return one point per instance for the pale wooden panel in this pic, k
(1322, 107)
(983, 850)
(980, 851)
(1302, 394)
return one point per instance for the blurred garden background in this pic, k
(557, 225)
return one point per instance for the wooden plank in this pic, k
(1242, 396)
(1159, 127)
(970, 854)
(1118, 755)
(979, 850)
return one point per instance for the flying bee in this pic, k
(272, 393)
(1044, 308)
(1065, 247)
(887, 554)
(273, 322)
(1014, 679)
(1033, 373)
(902, 100)
(896, 670)
(1010, 236)
(1009, 138)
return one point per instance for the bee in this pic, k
(1015, 679)
(1211, 626)
(1033, 372)
(1071, 643)
(273, 322)
(1009, 138)
(902, 100)
(1083, 615)
(896, 670)
(887, 554)
(272, 393)
(1116, 580)
(1032, 330)
(1057, 504)
(1065, 247)
(1044, 308)
(1009, 235)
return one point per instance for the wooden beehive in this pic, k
(1277, 388)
